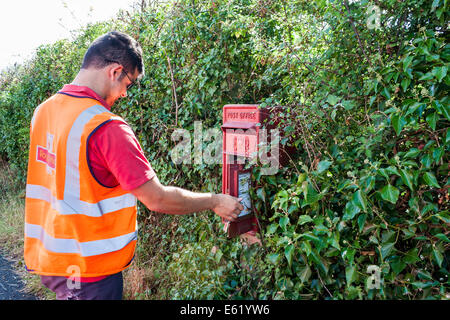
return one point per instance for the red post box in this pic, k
(241, 138)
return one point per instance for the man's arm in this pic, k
(173, 200)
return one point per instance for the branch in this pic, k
(356, 32)
(174, 92)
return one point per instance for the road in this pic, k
(11, 285)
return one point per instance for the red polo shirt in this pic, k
(115, 155)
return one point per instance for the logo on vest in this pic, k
(45, 155)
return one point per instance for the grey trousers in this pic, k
(110, 288)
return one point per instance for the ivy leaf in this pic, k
(432, 119)
(301, 178)
(272, 228)
(344, 184)
(306, 247)
(442, 237)
(406, 62)
(412, 256)
(398, 122)
(304, 219)
(293, 207)
(350, 274)
(412, 153)
(405, 84)
(386, 93)
(434, 5)
(367, 183)
(413, 107)
(423, 274)
(273, 258)
(408, 234)
(321, 264)
(332, 100)
(438, 257)
(440, 11)
(323, 165)
(335, 241)
(407, 178)
(392, 170)
(349, 255)
(311, 195)
(414, 204)
(361, 220)
(430, 207)
(390, 193)
(440, 72)
(283, 222)
(384, 173)
(426, 160)
(426, 76)
(333, 114)
(305, 274)
(388, 236)
(421, 285)
(272, 180)
(310, 236)
(218, 256)
(350, 211)
(432, 57)
(398, 265)
(261, 194)
(437, 154)
(444, 109)
(359, 199)
(288, 253)
(386, 249)
(348, 104)
(430, 180)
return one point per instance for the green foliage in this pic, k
(366, 108)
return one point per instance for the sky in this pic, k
(27, 24)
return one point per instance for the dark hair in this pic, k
(113, 47)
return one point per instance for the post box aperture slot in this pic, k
(239, 125)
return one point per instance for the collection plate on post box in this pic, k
(244, 189)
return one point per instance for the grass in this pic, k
(12, 210)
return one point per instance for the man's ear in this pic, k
(114, 71)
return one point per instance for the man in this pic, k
(85, 171)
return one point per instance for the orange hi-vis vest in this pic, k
(73, 224)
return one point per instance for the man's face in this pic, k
(120, 80)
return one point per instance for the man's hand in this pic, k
(227, 207)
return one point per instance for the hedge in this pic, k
(365, 93)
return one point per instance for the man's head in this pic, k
(116, 61)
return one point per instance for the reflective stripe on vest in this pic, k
(72, 187)
(84, 249)
(70, 206)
